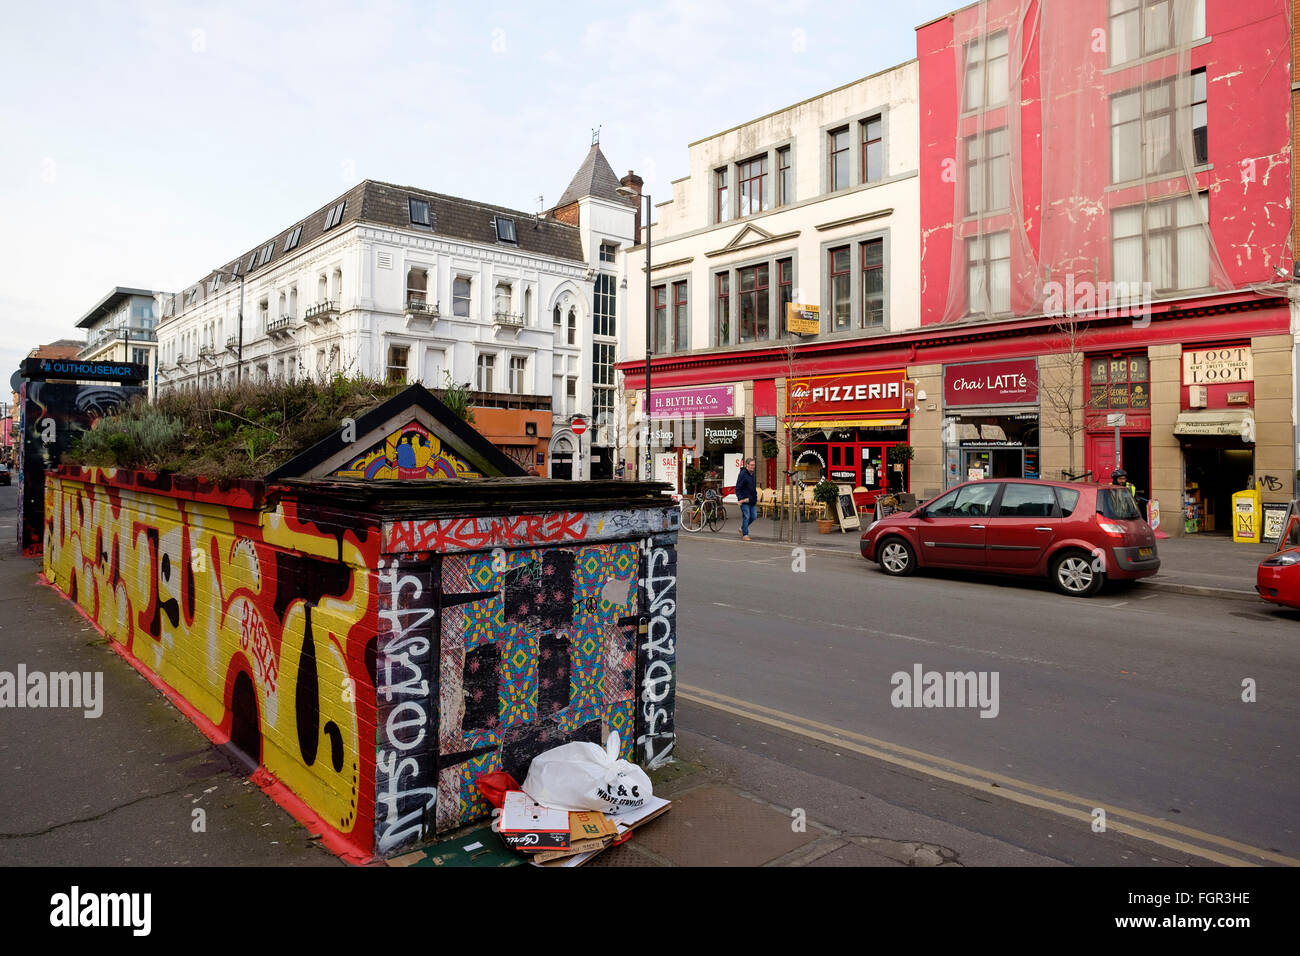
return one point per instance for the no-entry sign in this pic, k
(579, 425)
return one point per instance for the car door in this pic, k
(952, 532)
(1023, 528)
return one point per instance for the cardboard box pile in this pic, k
(552, 837)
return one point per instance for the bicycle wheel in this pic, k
(717, 517)
(693, 518)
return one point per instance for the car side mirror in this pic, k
(920, 512)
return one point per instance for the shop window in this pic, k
(1122, 381)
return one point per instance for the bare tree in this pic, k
(1060, 384)
(795, 437)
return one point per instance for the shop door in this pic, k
(873, 475)
(1101, 457)
(843, 467)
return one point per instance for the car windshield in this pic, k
(1118, 504)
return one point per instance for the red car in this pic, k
(1077, 535)
(1278, 576)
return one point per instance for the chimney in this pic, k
(634, 182)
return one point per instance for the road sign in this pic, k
(579, 425)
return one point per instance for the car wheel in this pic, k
(895, 556)
(1074, 574)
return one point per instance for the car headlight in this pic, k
(1282, 560)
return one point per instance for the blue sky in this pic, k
(145, 143)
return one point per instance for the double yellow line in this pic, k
(1215, 849)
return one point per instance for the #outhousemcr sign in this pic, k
(711, 400)
(1010, 382)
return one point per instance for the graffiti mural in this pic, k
(657, 655)
(406, 687)
(262, 623)
(538, 649)
(410, 452)
(54, 414)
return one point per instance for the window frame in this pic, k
(485, 361)
(746, 178)
(1174, 231)
(1098, 393)
(505, 230)
(467, 298)
(983, 65)
(721, 194)
(832, 154)
(391, 367)
(1137, 8)
(784, 185)
(984, 163)
(517, 378)
(423, 223)
(865, 126)
(856, 245)
(987, 262)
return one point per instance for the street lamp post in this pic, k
(649, 444)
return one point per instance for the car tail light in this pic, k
(1111, 528)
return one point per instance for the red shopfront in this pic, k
(845, 425)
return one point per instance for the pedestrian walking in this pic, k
(747, 495)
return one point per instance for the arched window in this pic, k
(559, 319)
(284, 305)
(528, 305)
(573, 325)
(338, 288)
(322, 289)
(293, 301)
(417, 285)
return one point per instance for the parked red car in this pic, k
(1075, 534)
(1278, 576)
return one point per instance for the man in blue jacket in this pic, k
(747, 495)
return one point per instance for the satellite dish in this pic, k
(16, 380)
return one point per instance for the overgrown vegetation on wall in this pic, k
(238, 431)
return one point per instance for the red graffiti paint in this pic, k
(476, 534)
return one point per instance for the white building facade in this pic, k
(817, 204)
(403, 284)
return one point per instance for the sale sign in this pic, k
(852, 393)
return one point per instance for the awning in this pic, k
(1235, 423)
(850, 423)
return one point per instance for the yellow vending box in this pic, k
(1246, 514)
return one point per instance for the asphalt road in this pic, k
(1129, 702)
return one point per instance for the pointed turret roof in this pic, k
(595, 177)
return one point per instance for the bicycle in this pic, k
(705, 508)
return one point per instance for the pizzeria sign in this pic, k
(853, 393)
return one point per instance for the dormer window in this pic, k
(291, 240)
(505, 229)
(335, 215)
(420, 213)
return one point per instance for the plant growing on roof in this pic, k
(458, 398)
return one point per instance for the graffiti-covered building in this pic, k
(390, 615)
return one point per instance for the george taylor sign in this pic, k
(1010, 382)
